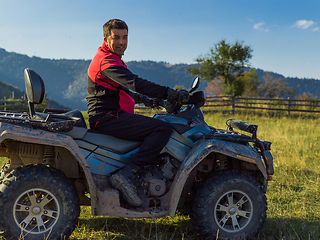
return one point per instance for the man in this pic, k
(111, 106)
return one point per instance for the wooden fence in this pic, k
(13, 104)
(233, 104)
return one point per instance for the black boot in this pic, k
(122, 181)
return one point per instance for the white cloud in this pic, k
(259, 26)
(304, 24)
(316, 29)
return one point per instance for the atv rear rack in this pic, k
(44, 121)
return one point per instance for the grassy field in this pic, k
(293, 194)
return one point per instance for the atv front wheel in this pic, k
(38, 202)
(228, 205)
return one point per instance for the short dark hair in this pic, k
(113, 23)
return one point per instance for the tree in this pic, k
(275, 88)
(228, 62)
(251, 83)
(307, 96)
(214, 87)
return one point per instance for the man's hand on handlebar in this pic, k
(181, 96)
(150, 102)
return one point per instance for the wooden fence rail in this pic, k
(13, 104)
(231, 103)
(227, 103)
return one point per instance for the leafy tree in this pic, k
(214, 87)
(307, 96)
(275, 88)
(228, 62)
(250, 83)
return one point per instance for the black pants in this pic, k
(153, 133)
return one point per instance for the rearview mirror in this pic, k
(195, 84)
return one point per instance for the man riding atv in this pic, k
(111, 106)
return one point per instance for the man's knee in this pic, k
(166, 127)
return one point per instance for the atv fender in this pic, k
(36, 136)
(199, 152)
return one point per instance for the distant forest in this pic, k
(66, 80)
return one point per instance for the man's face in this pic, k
(117, 41)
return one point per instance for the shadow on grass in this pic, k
(122, 228)
(180, 228)
(289, 228)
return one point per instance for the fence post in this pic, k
(289, 105)
(233, 103)
(5, 103)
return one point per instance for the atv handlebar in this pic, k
(197, 99)
(180, 98)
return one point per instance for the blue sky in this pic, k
(284, 35)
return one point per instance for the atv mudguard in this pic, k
(37, 136)
(199, 152)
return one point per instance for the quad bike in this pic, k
(56, 164)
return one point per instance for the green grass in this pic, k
(293, 194)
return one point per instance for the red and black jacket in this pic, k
(109, 82)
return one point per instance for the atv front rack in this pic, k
(263, 146)
(243, 126)
(233, 136)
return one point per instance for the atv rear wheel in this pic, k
(39, 202)
(228, 205)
